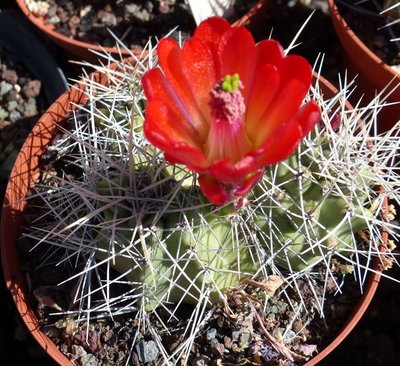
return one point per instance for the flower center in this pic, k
(227, 137)
(227, 103)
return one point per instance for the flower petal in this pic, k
(156, 86)
(199, 68)
(210, 31)
(238, 55)
(161, 129)
(279, 146)
(159, 117)
(213, 190)
(170, 59)
(295, 67)
(284, 107)
(225, 171)
(265, 86)
(285, 141)
(308, 116)
(269, 52)
(244, 188)
(190, 156)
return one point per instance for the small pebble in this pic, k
(89, 360)
(78, 351)
(147, 351)
(17, 88)
(3, 114)
(132, 8)
(73, 24)
(52, 11)
(211, 334)
(62, 15)
(149, 5)
(217, 348)
(5, 88)
(10, 76)
(12, 105)
(30, 108)
(32, 88)
(289, 335)
(13, 95)
(200, 361)
(109, 19)
(54, 20)
(14, 116)
(85, 11)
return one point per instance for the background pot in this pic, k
(20, 46)
(18, 40)
(79, 50)
(24, 176)
(373, 74)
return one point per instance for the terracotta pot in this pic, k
(24, 175)
(79, 50)
(373, 74)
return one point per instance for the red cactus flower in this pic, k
(226, 107)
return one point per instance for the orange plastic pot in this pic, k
(374, 75)
(23, 177)
(79, 50)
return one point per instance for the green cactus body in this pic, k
(190, 251)
(302, 212)
(186, 254)
(311, 213)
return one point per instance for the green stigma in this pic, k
(230, 83)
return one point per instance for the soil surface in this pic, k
(376, 338)
(131, 21)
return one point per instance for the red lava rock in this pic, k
(94, 342)
(32, 88)
(10, 76)
(109, 337)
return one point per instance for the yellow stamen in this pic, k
(230, 83)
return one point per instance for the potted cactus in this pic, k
(178, 204)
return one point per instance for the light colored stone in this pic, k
(5, 87)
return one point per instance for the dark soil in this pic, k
(370, 26)
(133, 22)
